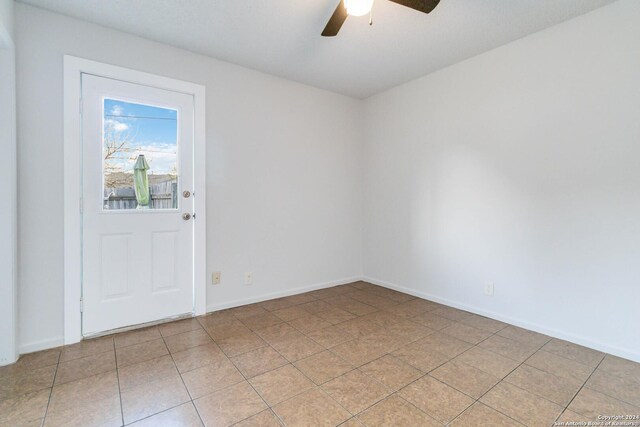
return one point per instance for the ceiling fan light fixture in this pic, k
(363, 7)
(358, 7)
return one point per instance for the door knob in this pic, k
(186, 216)
(186, 194)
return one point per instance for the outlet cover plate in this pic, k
(215, 278)
(488, 289)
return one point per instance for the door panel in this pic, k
(137, 159)
(114, 266)
(165, 252)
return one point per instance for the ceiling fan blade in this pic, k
(425, 6)
(336, 21)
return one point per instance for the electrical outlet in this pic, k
(215, 278)
(248, 278)
(488, 289)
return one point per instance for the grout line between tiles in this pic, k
(478, 399)
(388, 351)
(115, 355)
(182, 379)
(566, 358)
(295, 367)
(46, 410)
(510, 372)
(394, 392)
(243, 376)
(580, 389)
(157, 413)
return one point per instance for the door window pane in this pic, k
(140, 156)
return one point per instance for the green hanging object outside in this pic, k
(141, 181)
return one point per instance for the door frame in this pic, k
(74, 67)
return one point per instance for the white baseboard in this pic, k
(587, 342)
(58, 341)
(576, 339)
(40, 345)
(288, 292)
(11, 362)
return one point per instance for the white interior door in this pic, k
(137, 239)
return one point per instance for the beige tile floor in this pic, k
(350, 355)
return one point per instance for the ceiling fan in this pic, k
(362, 7)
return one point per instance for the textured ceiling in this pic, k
(282, 37)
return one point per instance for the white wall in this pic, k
(518, 166)
(8, 224)
(283, 177)
(6, 21)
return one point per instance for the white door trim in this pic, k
(74, 67)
